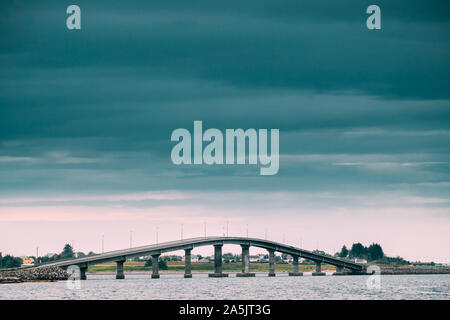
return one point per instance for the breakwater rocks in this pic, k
(33, 274)
(416, 270)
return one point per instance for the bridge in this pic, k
(155, 250)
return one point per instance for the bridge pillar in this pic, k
(155, 266)
(187, 263)
(83, 270)
(271, 263)
(339, 271)
(119, 269)
(295, 265)
(318, 270)
(218, 263)
(245, 263)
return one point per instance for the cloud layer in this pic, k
(86, 116)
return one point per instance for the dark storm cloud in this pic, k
(144, 108)
(94, 109)
(300, 45)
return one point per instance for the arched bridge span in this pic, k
(155, 250)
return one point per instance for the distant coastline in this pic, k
(55, 274)
(415, 270)
(132, 267)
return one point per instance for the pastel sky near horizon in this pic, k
(364, 118)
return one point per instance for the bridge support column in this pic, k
(271, 263)
(155, 266)
(245, 263)
(187, 263)
(218, 263)
(295, 265)
(83, 270)
(318, 270)
(339, 271)
(119, 269)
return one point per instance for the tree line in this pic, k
(370, 253)
(10, 261)
(66, 253)
(374, 252)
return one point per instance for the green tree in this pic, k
(67, 252)
(11, 262)
(358, 251)
(162, 264)
(375, 252)
(227, 257)
(344, 252)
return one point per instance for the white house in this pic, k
(357, 260)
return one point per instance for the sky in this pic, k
(364, 117)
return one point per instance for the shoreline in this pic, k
(386, 271)
(13, 280)
(55, 274)
(417, 271)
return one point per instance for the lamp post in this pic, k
(227, 228)
(156, 235)
(131, 238)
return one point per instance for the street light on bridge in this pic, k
(131, 238)
(156, 235)
(227, 228)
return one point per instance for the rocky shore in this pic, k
(33, 274)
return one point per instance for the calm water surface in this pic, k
(260, 287)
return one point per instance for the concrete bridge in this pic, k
(155, 250)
